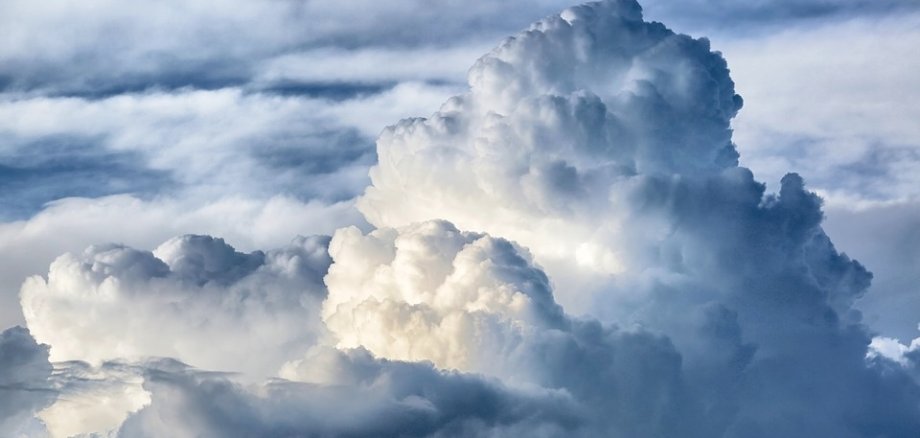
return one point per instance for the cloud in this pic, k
(854, 141)
(906, 355)
(887, 238)
(762, 16)
(24, 387)
(192, 143)
(865, 152)
(370, 398)
(200, 141)
(568, 248)
(254, 168)
(53, 168)
(172, 45)
(193, 297)
(603, 144)
(93, 399)
(554, 119)
(891, 354)
(197, 299)
(70, 225)
(430, 292)
(467, 301)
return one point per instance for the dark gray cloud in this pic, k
(328, 90)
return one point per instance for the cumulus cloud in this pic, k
(431, 292)
(471, 302)
(904, 354)
(557, 122)
(110, 308)
(568, 248)
(603, 144)
(70, 225)
(193, 297)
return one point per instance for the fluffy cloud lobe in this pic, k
(193, 297)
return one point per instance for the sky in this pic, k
(444, 218)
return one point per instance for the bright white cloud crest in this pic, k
(431, 292)
(557, 123)
(591, 162)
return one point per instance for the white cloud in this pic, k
(556, 119)
(600, 145)
(257, 169)
(194, 298)
(430, 292)
(70, 225)
(596, 129)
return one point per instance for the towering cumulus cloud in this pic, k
(603, 144)
(560, 123)
(568, 249)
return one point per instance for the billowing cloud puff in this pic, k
(907, 356)
(468, 301)
(419, 293)
(24, 385)
(558, 122)
(193, 297)
(431, 292)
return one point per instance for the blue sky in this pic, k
(259, 122)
